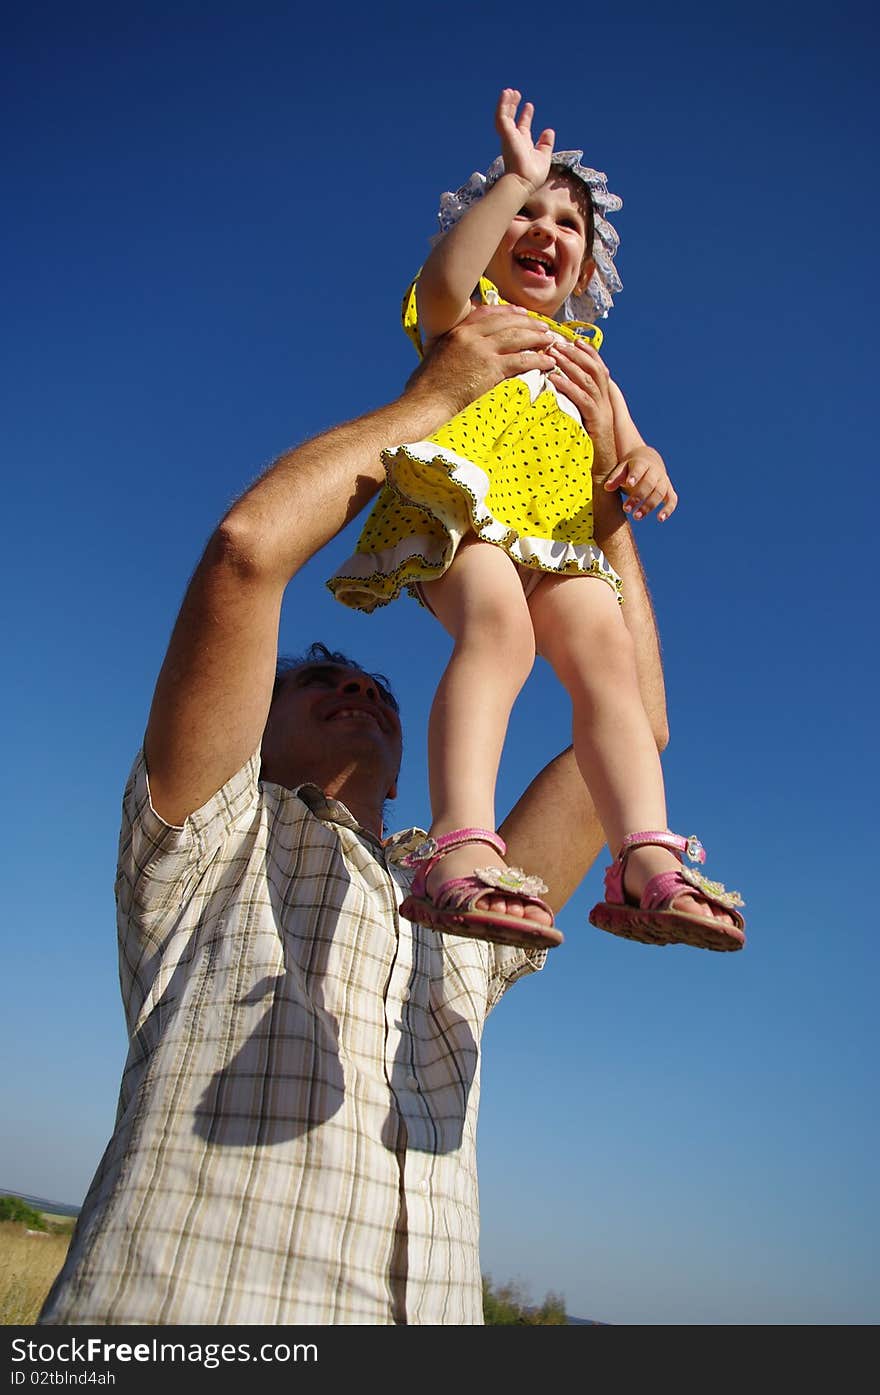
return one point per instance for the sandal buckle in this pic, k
(695, 850)
(422, 853)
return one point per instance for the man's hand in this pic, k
(641, 474)
(584, 378)
(493, 343)
(528, 159)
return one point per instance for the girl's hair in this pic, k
(584, 202)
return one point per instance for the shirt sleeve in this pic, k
(160, 863)
(511, 964)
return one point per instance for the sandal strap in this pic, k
(432, 848)
(428, 853)
(661, 838)
(691, 847)
(661, 890)
(463, 893)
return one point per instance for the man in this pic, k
(295, 1141)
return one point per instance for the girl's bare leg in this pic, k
(480, 602)
(580, 630)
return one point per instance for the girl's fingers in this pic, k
(669, 507)
(616, 478)
(646, 506)
(663, 494)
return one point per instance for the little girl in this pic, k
(489, 524)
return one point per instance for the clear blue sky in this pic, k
(211, 214)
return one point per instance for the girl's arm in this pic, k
(640, 472)
(457, 262)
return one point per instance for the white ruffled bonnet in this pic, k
(598, 298)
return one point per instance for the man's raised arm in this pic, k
(213, 692)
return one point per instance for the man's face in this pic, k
(329, 724)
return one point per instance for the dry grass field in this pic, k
(28, 1265)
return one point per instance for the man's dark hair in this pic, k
(319, 654)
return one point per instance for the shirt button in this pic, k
(423, 1185)
(412, 1083)
(404, 997)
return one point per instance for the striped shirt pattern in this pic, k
(295, 1140)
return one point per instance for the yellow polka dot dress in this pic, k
(515, 468)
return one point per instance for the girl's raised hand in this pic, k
(522, 156)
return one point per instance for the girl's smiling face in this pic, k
(540, 259)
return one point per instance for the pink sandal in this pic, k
(653, 922)
(454, 907)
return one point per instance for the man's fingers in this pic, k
(533, 358)
(514, 338)
(579, 351)
(583, 365)
(510, 329)
(564, 384)
(492, 319)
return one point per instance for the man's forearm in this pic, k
(554, 829)
(311, 492)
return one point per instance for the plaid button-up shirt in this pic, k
(295, 1139)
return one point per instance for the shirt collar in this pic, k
(395, 847)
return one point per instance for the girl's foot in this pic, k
(462, 887)
(463, 862)
(652, 897)
(644, 863)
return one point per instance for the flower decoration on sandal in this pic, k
(513, 879)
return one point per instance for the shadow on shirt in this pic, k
(288, 1079)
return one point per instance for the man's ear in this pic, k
(586, 275)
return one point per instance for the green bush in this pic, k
(509, 1306)
(12, 1208)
